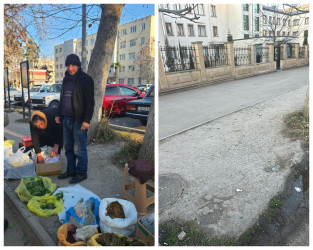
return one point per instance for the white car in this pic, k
(144, 87)
(35, 89)
(51, 98)
(13, 92)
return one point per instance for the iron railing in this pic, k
(261, 54)
(215, 55)
(242, 56)
(178, 58)
(301, 52)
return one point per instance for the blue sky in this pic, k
(131, 12)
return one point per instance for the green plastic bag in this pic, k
(36, 186)
(45, 206)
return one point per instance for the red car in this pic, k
(116, 96)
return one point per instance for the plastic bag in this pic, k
(72, 195)
(19, 158)
(8, 152)
(91, 205)
(125, 226)
(63, 236)
(45, 206)
(52, 159)
(27, 170)
(25, 195)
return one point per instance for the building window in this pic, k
(133, 29)
(284, 33)
(288, 33)
(165, 6)
(143, 26)
(295, 34)
(256, 8)
(122, 57)
(92, 41)
(245, 22)
(169, 29)
(257, 24)
(288, 22)
(246, 7)
(274, 20)
(306, 20)
(201, 30)
(142, 41)
(57, 66)
(264, 33)
(270, 33)
(56, 50)
(278, 33)
(176, 6)
(284, 22)
(132, 43)
(278, 21)
(131, 68)
(264, 19)
(121, 80)
(123, 45)
(199, 9)
(132, 55)
(60, 50)
(124, 32)
(215, 31)
(61, 66)
(296, 22)
(270, 20)
(306, 33)
(246, 36)
(180, 29)
(56, 59)
(130, 81)
(190, 30)
(213, 10)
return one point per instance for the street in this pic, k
(181, 111)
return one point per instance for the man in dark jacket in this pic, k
(75, 112)
(46, 132)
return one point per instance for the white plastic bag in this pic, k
(124, 226)
(52, 159)
(8, 152)
(19, 158)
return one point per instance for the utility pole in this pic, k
(84, 34)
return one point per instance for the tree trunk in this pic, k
(146, 151)
(101, 56)
(306, 112)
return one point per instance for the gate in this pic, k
(277, 56)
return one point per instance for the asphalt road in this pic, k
(183, 110)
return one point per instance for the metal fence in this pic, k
(261, 54)
(290, 48)
(178, 58)
(215, 55)
(301, 52)
(242, 56)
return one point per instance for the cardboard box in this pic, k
(27, 141)
(44, 169)
(144, 235)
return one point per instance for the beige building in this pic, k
(131, 38)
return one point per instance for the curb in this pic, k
(127, 129)
(28, 218)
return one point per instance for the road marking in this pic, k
(281, 81)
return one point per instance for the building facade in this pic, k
(130, 39)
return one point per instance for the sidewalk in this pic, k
(223, 169)
(104, 179)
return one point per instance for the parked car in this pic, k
(144, 87)
(50, 98)
(13, 92)
(116, 96)
(35, 89)
(140, 108)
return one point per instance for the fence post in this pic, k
(296, 51)
(306, 53)
(200, 60)
(271, 56)
(163, 84)
(283, 52)
(231, 57)
(252, 60)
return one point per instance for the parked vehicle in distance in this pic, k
(13, 92)
(35, 89)
(139, 109)
(144, 87)
(116, 96)
(50, 98)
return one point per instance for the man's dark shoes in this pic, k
(78, 178)
(65, 175)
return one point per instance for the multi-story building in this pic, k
(48, 64)
(130, 39)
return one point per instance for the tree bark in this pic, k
(146, 151)
(101, 56)
(306, 112)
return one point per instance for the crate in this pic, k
(27, 141)
(45, 169)
(144, 235)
